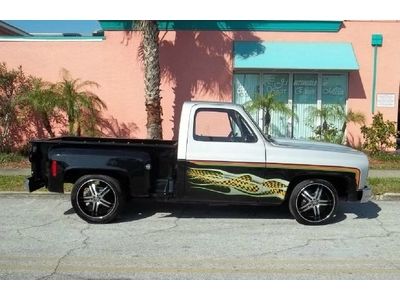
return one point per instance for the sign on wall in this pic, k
(278, 84)
(305, 88)
(385, 100)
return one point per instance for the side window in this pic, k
(221, 125)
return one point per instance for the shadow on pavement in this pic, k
(135, 211)
(369, 210)
(70, 211)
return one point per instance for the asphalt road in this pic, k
(41, 238)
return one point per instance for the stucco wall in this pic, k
(196, 65)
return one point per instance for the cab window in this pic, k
(221, 125)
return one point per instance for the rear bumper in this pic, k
(364, 195)
(32, 185)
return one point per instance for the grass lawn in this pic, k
(16, 184)
(384, 185)
(379, 185)
(12, 183)
(13, 161)
(382, 161)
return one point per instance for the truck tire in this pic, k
(313, 202)
(97, 198)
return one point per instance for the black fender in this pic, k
(132, 167)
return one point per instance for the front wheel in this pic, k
(313, 202)
(97, 198)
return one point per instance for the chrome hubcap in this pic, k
(96, 198)
(315, 202)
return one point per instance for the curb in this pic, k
(387, 197)
(12, 193)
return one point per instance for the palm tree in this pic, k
(349, 117)
(42, 100)
(267, 104)
(81, 106)
(331, 113)
(152, 78)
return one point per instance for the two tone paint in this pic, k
(248, 170)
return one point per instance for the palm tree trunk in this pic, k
(343, 130)
(152, 79)
(47, 125)
(78, 129)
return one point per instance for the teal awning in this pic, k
(294, 55)
(231, 25)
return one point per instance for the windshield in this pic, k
(267, 137)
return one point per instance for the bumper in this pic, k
(364, 195)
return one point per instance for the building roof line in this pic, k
(13, 29)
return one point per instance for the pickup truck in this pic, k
(221, 157)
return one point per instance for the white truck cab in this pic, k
(227, 156)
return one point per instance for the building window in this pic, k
(304, 92)
(246, 88)
(334, 88)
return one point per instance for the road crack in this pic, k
(303, 245)
(175, 225)
(21, 234)
(83, 245)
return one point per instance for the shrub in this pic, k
(380, 136)
(327, 132)
(13, 83)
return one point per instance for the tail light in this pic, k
(53, 168)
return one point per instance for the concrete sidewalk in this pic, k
(372, 173)
(383, 173)
(15, 172)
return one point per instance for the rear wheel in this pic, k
(97, 198)
(313, 202)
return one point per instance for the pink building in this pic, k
(354, 64)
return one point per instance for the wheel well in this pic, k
(341, 184)
(73, 175)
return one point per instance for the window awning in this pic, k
(294, 55)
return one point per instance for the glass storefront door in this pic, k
(278, 85)
(305, 92)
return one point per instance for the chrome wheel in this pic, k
(315, 202)
(96, 198)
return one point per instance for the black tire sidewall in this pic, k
(293, 198)
(115, 185)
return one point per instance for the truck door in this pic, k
(225, 158)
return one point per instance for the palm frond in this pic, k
(77, 101)
(355, 117)
(267, 104)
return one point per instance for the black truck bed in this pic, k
(103, 155)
